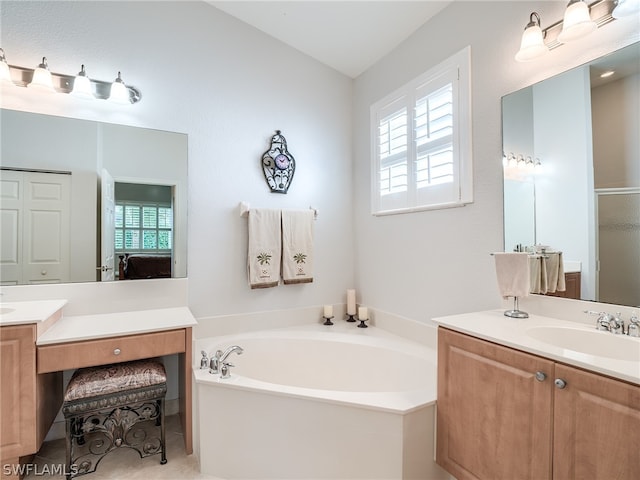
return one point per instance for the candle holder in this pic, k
(351, 318)
(327, 320)
(362, 324)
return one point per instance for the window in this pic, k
(422, 142)
(143, 227)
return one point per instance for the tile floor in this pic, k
(126, 464)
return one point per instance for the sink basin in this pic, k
(589, 342)
(5, 310)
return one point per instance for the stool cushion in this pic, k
(106, 379)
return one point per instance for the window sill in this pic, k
(424, 208)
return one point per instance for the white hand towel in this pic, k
(512, 271)
(555, 272)
(297, 246)
(265, 247)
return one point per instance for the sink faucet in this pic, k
(633, 330)
(218, 361)
(604, 320)
(616, 324)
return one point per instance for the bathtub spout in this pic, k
(220, 357)
(214, 363)
(229, 351)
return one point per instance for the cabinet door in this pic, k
(494, 416)
(596, 427)
(18, 391)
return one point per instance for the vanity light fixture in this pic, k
(5, 73)
(579, 20)
(532, 45)
(119, 93)
(41, 78)
(625, 8)
(82, 85)
(79, 85)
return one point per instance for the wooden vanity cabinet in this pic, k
(500, 416)
(28, 402)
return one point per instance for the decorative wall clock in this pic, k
(278, 164)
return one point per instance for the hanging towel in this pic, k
(555, 272)
(297, 246)
(265, 246)
(512, 271)
(538, 274)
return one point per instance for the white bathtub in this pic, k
(318, 402)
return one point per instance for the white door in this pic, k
(11, 193)
(46, 234)
(108, 227)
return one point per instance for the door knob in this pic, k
(560, 383)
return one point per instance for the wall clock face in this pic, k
(282, 161)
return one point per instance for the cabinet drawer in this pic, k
(67, 356)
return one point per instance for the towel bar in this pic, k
(244, 210)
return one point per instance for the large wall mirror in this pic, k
(572, 173)
(85, 201)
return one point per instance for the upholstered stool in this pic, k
(114, 406)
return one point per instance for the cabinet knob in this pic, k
(43, 272)
(560, 383)
(541, 376)
(116, 351)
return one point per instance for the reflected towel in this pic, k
(555, 272)
(512, 272)
(297, 246)
(265, 246)
(538, 274)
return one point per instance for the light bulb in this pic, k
(5, 72)
(82, 85)
(119, 92)
(624, 8)
(42, 78)
(577, 22)
(532, 45)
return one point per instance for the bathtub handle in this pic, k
(225, 370)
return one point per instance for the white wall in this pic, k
(431, 263)
(229, 87)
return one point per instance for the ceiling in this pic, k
(349, 36)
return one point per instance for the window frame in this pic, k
(141, 205)
(457, 69)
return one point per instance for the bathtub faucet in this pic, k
(219, 360)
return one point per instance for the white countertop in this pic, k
(19, 313)
(92, 327)
(494, 326)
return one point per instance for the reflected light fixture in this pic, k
(5, 73)
(577, 22)
(79, 85)
(41, 79)
(624, 8)
(82, 85)
(532, 45)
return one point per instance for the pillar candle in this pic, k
(363, 313)
(351, 302)
(328, 311)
